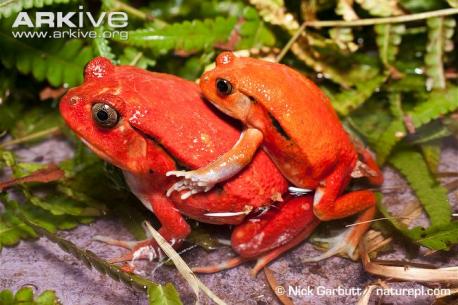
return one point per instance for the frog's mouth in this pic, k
(97, 151)
(179, 164)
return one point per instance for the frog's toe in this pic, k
(178, 186)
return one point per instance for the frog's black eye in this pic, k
(223, 86)
(104, 115)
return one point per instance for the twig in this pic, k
(32, 136)
(384, 20)
(363, 22)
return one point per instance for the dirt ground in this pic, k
(42, 265)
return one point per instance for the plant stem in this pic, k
(32, 136)
(129, 9)
(363, 22)
(384, 20)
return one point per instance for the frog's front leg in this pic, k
(269, 235)
(223, 168)
(173, 228)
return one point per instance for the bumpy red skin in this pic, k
(164, 121)
(301, 131)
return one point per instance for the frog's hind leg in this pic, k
(328, 204)
(269, 235)
(346, 242)
(174, 229)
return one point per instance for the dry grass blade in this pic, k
(182, 267)
(408, 273)
(366, 295)
(274, 286)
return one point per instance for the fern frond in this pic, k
(101, 45)
(431, 153)
(345, 9)
(432, 196)
(25, 296)
(382, 8)
(274, 12)
(188, 36)
(440, 32)
(59, 62)
(388, 39)
(349, 100)
(253, 32)
(438, 103)
(388, 139)
(162, 294)
(10, 7)
(344, 38)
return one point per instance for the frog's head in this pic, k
(104, 113)
(236, 85)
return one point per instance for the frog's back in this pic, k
(306, 125)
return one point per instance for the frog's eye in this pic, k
(223, 86)
(104, 115)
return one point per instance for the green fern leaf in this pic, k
(349, 100)
(10, 7)
(188, 36)
(253, 32)
(383, 8)
(25, 296)
(388, 39)
(435, 237)
(431, 153)
(391, 136)
(438, 103)
(102, 46)
(440, 32)
(58, 61)
(157, 294)
(432, 196)
(440, 238)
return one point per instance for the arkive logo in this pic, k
(71, 19)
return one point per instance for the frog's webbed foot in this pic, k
(139, 250)
(345, 243)
(339, 244)
(192, 181)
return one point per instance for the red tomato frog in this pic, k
(148, 124)
(295, 124)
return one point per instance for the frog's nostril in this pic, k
(74, 100)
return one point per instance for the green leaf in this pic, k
(60, 62)
(253, 32)
(163, 295)
(159, 294)
(432, 196)
(101, 45)
(188, 36)
(383, 8)
(438, 103)
(349, 100)
(391, 136)
(388, 39)
(133, 57)
(440, 33)
(25, 296)
(36, 119)
(10, 7)
(440, 238)
(431, 153)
